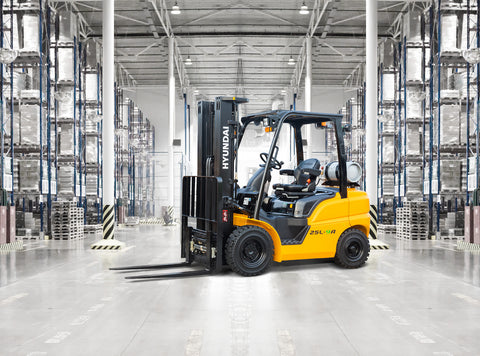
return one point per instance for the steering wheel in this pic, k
(275, 164)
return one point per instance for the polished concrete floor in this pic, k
(59, 298)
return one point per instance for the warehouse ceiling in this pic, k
(240, 46)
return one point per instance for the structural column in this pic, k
(171, 119)
(308, 91)
(108, 133)
(371, 165)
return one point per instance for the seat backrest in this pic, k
(311, 163)
(255, 181)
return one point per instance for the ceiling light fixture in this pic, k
(176, 9)
(188, 61)
(304, 9)
(291, 61)
(196, 92)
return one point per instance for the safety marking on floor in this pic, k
(311, 278)
(100, 247)
(110, 245)
(351, 282)
(82, 319)
(420, 337)
(384, 308)
(467, 246)
(239, 312)
(95, 308)
(194, 343)
(373, 221)
(285, 343)
(12, 246)
(399, 320)
(378, 245)
(466, 298)
(59, 337)
(13, 298)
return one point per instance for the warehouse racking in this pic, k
(134, 166)
(428, 118)
(51, 119)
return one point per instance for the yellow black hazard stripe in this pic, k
(108, 222)
(373, 221)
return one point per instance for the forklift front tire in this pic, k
(249, 250)
(353, 249)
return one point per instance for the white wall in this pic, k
(327, 99)
(153, 102)
(154, 105)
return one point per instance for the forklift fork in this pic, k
(170, 275)
(159, 267)
(202, 202)
(172, 265)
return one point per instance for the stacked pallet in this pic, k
(67, 221)
(384, 229)
(412, 221)
(93, 229)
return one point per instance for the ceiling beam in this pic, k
(240, 6)
(116, 15)
(363, 15)
(162, 13)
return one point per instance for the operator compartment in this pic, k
(297, 174)
(290, 218)
(288, 209)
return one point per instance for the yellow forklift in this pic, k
(315, 212)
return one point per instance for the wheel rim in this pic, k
(253, 253)
(354, 250)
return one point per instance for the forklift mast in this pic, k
(217, 137)
(206, 115)
(205, 197)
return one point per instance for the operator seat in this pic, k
(255, 181)
(304, 183)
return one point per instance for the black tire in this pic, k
(249, 251)
(353, 249)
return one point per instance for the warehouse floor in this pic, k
(59, 298)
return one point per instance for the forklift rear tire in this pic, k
(249, 251)
(353, 249)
